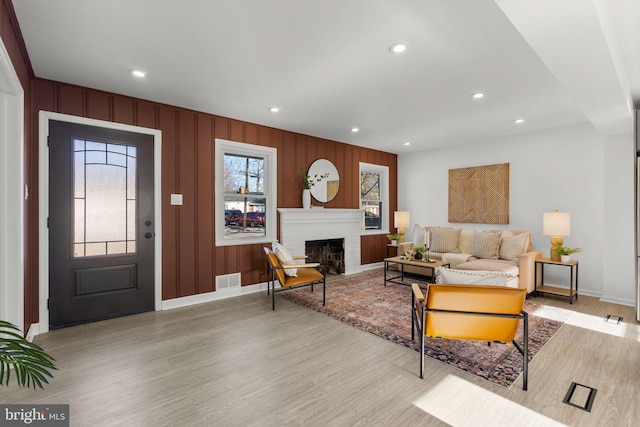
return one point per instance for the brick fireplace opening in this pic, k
(329, 252)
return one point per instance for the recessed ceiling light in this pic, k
(138, 73)
(478, 95)
(355, 130)
(518, 121)
(398, 47)
(407, 143)
(274, 109)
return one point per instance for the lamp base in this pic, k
(401, 233)
(555, 242)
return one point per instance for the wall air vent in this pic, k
(228, 281)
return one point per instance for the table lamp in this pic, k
(556, 224)
(401, 221)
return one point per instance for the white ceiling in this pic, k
(326, 63)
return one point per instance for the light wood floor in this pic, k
(237, 363)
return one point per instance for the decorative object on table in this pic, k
(401, 221)
(309, 182)
(565, 252)
(393, 238)
(362, 302)
(407, 256)
(479, 194)
(27, 360)
(427, 244)
(557, 225)
(418, 251)
(327, 180)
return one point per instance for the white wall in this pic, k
(572, 169)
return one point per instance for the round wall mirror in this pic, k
(327, 188)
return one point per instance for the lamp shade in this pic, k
(401, 219)
(556, 224)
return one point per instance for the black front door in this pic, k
(101, 224)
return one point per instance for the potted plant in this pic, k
(565, 252)
(31, 364)
(393, 238)
(418, 251)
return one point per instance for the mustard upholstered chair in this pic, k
(308, 274)
(470, 312)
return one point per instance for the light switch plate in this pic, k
(176, 199)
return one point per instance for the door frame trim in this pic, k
(12, 193)
(43, 181)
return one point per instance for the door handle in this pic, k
(148, 235)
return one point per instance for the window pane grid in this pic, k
(245, 203)
(373, 200)
(105, 198)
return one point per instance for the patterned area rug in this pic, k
(363, 302)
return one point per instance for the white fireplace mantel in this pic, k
(298, 226)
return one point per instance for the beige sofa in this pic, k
(502, 252)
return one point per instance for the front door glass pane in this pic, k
(104, 198)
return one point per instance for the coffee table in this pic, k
(401, 262)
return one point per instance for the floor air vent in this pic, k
(613, 319)
(580, 396)
(228, 281)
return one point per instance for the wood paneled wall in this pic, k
(190, 258)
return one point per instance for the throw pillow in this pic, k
(479, 277)
(512, 247)
(465, 242)
(418, 235)
(486, 244)
(285, 257)
(445, 240)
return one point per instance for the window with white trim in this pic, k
(245, 193)
(374, 198)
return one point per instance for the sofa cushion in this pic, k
(498, 265)
(513, 246)
(285, 257)
(461, 277)
(486, 244)
(445, 240)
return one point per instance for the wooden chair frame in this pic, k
(276, 273)
(420, 309)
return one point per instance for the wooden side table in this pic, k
(573, 282)
(393, 249)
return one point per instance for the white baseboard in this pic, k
(372, 266)
(33, 331)
(213, 296)
(619, 301)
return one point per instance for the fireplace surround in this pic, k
(298, 226)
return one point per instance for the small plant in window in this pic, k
(310, 181)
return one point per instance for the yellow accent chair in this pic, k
(470, 312)
(308, 274)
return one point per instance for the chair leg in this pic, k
(324, 290)
(422, 340)
(525, 356)
(273, 296)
